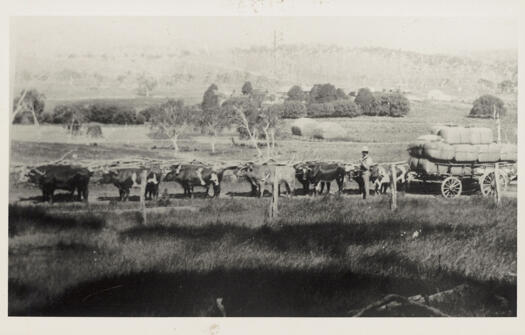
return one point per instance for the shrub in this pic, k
(483, 107)
(294, 110)
(399, 105)
(124, 117)
(321, 93)
(296, 131)
(98, 112)
(321, 110)
(345, 108)
(366, 101)
(296, 94)
(392, 104)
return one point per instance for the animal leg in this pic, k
(85, 193)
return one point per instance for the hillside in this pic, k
(188, 72)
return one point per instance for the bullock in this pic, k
(382, 182)
(191, 175)
(353, 172)
(320, 174)
(61, 177)
(125, 179)
(260, 175)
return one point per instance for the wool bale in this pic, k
(480, 135)
(475, 136)
(434, 130)
(413, 162)
(489, 153)
(438, 151)
(451, 135)
(461, 170)
(442, 169)
(447, 152)
(509, 152)
(466, 153)
(464, 135)
(485, 135)
(430, 138)
(431, 150)
(427, 166)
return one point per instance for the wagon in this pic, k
(453, 177)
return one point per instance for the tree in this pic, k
(345, 108)
(172, 119)
(212, 121)
(210, 99)
(296, 94)
(71, 115)
(244, 112)
(28, 102)
(321, 93)
(146, 84)
(294, 109)
(321, 110)
(484, 107)
(366, 101)
(267, 122)
(247, 88)
(340, 94)
(507, 86)
(398, 105)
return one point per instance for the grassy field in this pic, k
(323, 258)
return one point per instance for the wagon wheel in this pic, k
(451, 187)
(487, 183)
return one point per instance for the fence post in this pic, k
(143, 177)
(393, 188)
(274, 204)
(498, 189)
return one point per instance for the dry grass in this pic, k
(342, 254)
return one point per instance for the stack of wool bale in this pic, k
(451, 144)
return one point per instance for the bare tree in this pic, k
(29, 101)
(172, 119)
(146, 85)
(212, 121)
(241, 118)
(268, 121)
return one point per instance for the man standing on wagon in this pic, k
(365, 164)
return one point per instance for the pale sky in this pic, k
(50, 35)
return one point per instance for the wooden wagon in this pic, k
(453, 176)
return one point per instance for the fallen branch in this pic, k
(394, 298)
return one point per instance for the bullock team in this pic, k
(314, 177)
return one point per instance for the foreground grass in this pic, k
(323, 257)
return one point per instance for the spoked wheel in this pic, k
(451, 187)
(487, 183)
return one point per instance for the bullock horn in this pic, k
(39, 172)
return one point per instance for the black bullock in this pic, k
(61, 177)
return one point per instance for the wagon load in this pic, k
(461, 145)
(461, 135)
(429, 167)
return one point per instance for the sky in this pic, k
(450, 35)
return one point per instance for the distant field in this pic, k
(386, 137)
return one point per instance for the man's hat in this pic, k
(364, 149)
